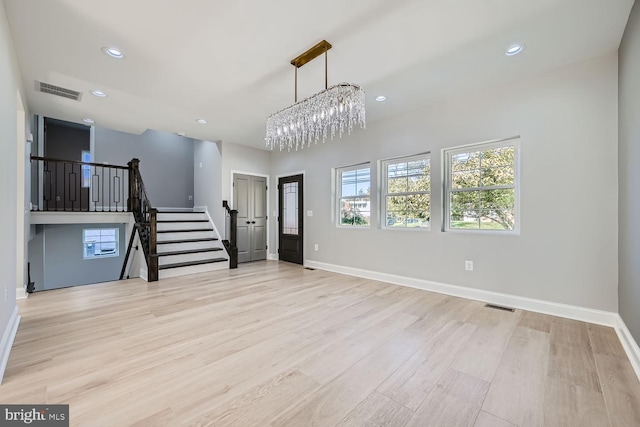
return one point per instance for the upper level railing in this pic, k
(71, 186)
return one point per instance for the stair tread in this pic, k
(180, 221)
(204, 239)
(189, 251)
(191, 230)
(180, 212)
(190, 263)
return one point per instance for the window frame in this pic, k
(447, 154)
(101, 256)
(338, 195)
(384, 190)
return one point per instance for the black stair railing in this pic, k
(146, 222)
(231, 231)
(71, 186)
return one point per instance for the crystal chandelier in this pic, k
(334, 110)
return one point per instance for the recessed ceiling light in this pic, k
(113, 52)
(180, 133)
(201, 121)
(515, 49)
(381, 98)
(90, 121)
(99, 93)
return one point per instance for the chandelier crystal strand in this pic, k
(333, 111)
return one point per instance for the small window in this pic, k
(481, 187)
(86, 169)
(100, 242)
(354, 196)
(406, 188)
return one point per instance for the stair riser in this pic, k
(174, 259)
(182, 225)
(193, 269)
(172, 247)
(182, 216)
(185, 235)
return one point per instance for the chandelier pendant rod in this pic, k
(309, 55)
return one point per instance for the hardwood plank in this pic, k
(376, 410)
(570, 357)
(605, 341)
(537, 321)
(415, 379)
(455, 401)
(569, 404)
(335, 400)
(621, 390)
(256, 407)
(517, 390)
(482, 353)
(486, 419)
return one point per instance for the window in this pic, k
(481, 187)
(86, 169)
(100, 242)
(354, 196)
(406, 190)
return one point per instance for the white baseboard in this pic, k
(599, 317)
(589, 315)
(273, 257)
(8, 336)
(21, 293)
(630, 345)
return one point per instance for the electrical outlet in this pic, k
(6, 294)
(57, 198)
(190, 197)
(315, 247)
(468, 265)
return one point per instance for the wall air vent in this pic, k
(499, 307)
(58, 91)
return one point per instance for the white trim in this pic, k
(629, 344)
(273, 257)
(599, 317)
(8, 336)
(21, 293)
(80, 217)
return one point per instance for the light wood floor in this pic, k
(275, 344)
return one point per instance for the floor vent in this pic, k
(499, 307)
(58, 91)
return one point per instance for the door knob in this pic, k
(248, 222)
(253, 222)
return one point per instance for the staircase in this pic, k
(188, 243)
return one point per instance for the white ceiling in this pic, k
(228, 61)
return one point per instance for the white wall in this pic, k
(629, 174)
(207, 179)
(567, 249)
(239, 158)
(12, 247)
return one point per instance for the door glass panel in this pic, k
(290, 208)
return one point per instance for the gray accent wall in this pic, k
(567, 250)
(629, 174)
(166, 162)
(56, 256)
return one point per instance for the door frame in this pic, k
(304, 212)
(232, 172)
